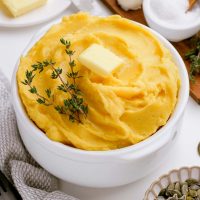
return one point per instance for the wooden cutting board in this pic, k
(182, 46)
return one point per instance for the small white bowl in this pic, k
(102, 168)
(173, 33)
(173, 176)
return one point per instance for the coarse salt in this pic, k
(173, 12)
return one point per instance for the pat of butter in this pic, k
(20, 7)
(99, 60)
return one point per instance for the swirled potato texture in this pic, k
(124, 108)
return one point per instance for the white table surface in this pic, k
(184, 153)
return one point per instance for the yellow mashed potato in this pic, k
(125, 108)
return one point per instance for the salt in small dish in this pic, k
(171, 18)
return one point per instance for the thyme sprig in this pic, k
(32, 89)
(74, 106)
(194, 57)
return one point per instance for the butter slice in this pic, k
(99, 60)
(20, 7)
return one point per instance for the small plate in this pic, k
(50, 10)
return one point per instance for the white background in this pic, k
(184, 153)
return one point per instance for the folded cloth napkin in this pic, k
(32, 182)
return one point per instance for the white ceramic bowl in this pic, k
(101, 168)
(172, 33)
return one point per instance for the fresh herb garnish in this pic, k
(32, 89)
(74, 106)
(194, 57)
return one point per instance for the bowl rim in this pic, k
(62, 150)
(148, 12)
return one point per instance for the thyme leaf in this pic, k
(193, 56)
(74, 106)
